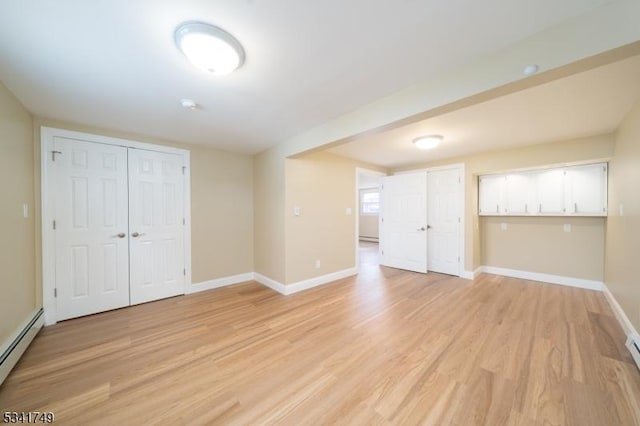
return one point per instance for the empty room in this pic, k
(309, 213)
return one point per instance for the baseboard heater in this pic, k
(19, 344)
(633, 344)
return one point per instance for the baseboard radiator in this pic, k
(371, 239)
(633, 344)
(16, 346)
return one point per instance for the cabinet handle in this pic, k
(540, 208)
(575, 207)
(497, 208)
(526, 208)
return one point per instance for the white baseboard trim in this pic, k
(622, 318)
(305, 284)
(370, 239)
(219, 282)
(471, 275)
(317, 281)
(548, 278)
(13, 348)
(268, 282)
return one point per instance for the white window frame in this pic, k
(362, 203)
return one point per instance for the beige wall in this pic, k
(622, 268)
(540, 245)
(323, 186)
(269, 187)
(221, 204)
(558, 153)
(17, 245)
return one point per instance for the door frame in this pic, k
(47, 135)
(360, 170)
(461, 202)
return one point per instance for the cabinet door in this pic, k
(587, 190)
(491, 195)
(551, 192)
(519, 191)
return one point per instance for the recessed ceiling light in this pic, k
(209, 48)
(531, 69)
(427, 142)
(189, 104)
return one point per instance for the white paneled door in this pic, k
(403, 236)
(119, 226)
(91, 227)
(156, 225)
(444, 221)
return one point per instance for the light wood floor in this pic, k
(387, 347)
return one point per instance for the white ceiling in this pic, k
(113, 63)
(590, 103)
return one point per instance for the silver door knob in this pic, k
(136, 235)
(120, 235)
(421, 229)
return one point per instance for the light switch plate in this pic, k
(567, 227)
(348, 211)
(296, 211)
(503, 226)
(25, 210)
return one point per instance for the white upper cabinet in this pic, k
(587, 190)
(519, 193)
(491, 198)
(573, 191)
(550, 187)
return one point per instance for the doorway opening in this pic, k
(367, 235)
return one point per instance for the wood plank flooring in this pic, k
(386, 347)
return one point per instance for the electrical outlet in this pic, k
(318, 264)
(348, 211)
(567, 227)
(503, 226)
(25, 210)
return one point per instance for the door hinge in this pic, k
(55, 292)
(459, 180)
(381, 187)
(53, 155)
(458, 259)
(184, 272)
(382, 219)
(458, 220)
(184, 168)
(54, 225)
(382, 251)
(184, 221)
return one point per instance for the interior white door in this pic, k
(403, 222)
(156, 223)
(444, 221)
(89, 181)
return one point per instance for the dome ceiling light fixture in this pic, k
(209, 48)
(427, 142)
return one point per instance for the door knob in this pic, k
(120, 235)
(421, 229)
(136, 235)
(429, 226)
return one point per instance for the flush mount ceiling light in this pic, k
(209, 48)
(427, 142)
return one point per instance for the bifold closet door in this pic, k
(156, 225)
(91, 227)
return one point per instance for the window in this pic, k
(369, 201)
